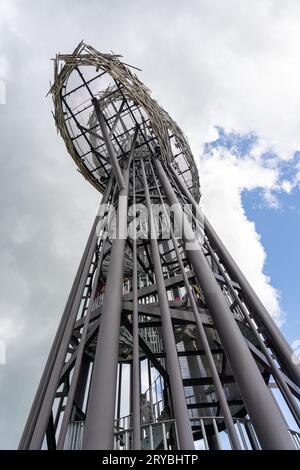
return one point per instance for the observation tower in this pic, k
(163, 344)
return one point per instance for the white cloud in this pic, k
(287, 186)
(235, 64)
(7, 11)
(271, 199)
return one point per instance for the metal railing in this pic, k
(296, 438)
(74, 436)
(162, 435)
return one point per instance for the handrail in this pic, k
(157, 434)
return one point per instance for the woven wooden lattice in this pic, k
(161, 124)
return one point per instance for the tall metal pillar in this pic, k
(258, 400)
(136, 412)
(98, 432)
(185, 435)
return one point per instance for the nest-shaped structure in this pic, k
(126, 103)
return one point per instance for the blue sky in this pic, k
(279, 230)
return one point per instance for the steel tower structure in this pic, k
(163, 342)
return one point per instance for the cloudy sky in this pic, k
(227, 71)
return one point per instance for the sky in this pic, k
(227, 71)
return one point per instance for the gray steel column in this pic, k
(99, 433)
(260, 404)
(185, 435)
(260, 314)
(136, 412)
